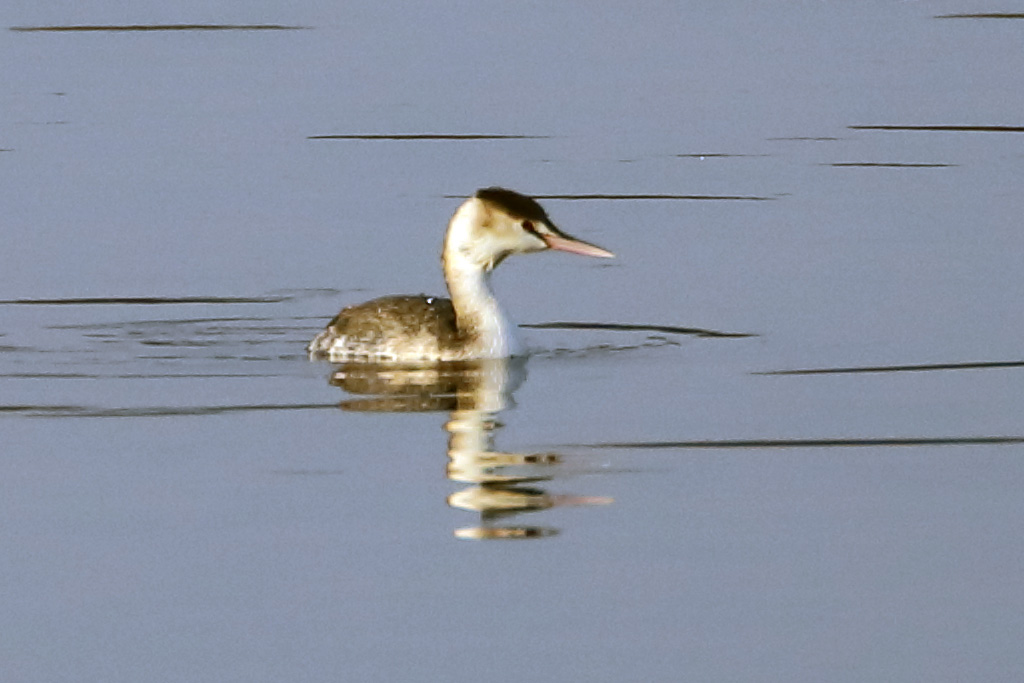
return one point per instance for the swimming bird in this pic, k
(487, 228)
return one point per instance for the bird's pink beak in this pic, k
(574, 246)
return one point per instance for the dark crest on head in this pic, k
(516, 204)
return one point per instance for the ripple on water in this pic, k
(114, 28)
(118, 337)
(943, 128)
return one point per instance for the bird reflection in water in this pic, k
(502, 484)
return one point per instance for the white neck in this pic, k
(467, 273)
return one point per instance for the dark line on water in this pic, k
(899, 368)
(719, 155)
(949, 129)
(804, 138)
(627, 327)
(145, 300)
(192, 321)
(591, 351)
(873, 164)
(642, 197)
(809, 443)
(984, 15)
(689, 197)
(158, 27)
(429, 136)
(155, 411)
(86, 375)
(30, 408)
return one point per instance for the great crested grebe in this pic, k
(486, 228)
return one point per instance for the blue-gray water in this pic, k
(184, 497)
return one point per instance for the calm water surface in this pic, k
(826, 490)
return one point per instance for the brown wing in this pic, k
(389, 318)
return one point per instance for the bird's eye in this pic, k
(529, 227)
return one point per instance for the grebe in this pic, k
(486, 228)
